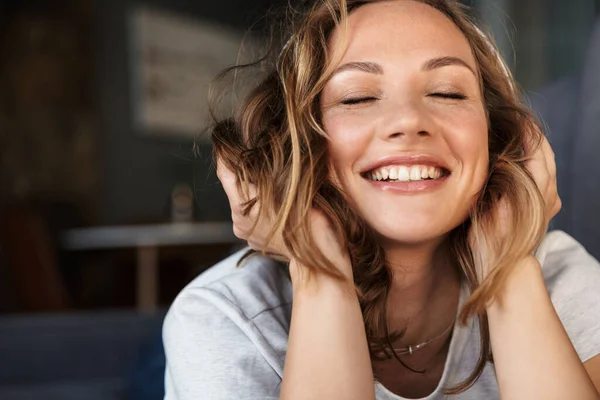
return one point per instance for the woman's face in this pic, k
(406, 121)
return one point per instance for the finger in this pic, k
(551, 184)
(249, 190)
(530, 145)
(537, 150)
(549, 157)
(538, 167)
(551, 197)
(226, 176)
(243, 192)
(254, 246)
(557, 207)
(543, 170)
(222, 171)
(236, 193)
(237, 231)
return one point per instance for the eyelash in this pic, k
(451, 96)
(358, 100)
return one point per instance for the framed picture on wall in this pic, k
(173, 59)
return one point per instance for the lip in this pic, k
(406, 159)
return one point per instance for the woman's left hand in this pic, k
(542, 167)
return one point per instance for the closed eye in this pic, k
(452, 96)
(357, 100)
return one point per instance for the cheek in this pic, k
(470, 140)
(347, 141)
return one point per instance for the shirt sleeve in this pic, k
(572, 277)
(210, 357)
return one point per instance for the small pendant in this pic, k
(410, 351)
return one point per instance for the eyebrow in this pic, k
(440, 62)
(429, 65)
(370, 67)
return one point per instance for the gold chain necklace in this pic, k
(411, 349)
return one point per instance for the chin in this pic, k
(411, 238)
(414, 231)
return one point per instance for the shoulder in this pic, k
(572, 277)
(226, 332)
(258, 284)
(564, 260)
(228, 302)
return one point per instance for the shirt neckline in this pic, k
(458, 340)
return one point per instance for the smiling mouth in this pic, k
(406, 173)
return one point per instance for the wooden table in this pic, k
(147, 239)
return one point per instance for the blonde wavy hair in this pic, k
(276, 142)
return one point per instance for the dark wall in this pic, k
(139, 171)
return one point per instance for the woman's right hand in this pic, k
(327, 349)
(243, 225)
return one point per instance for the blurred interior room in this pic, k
(109, 202)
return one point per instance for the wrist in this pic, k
(525, 284)
(307, 280)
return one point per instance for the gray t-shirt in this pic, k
(226, 333)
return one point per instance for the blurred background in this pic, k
(109, 207)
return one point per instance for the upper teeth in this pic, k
(404, 173)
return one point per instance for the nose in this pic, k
(406, 120)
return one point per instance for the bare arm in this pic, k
(592, 366)
(533, 355)
(327, 354)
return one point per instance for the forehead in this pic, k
(401, 28)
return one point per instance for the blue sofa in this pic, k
(92, 356)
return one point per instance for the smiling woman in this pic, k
(395, 193)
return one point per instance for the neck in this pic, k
(424, 293)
